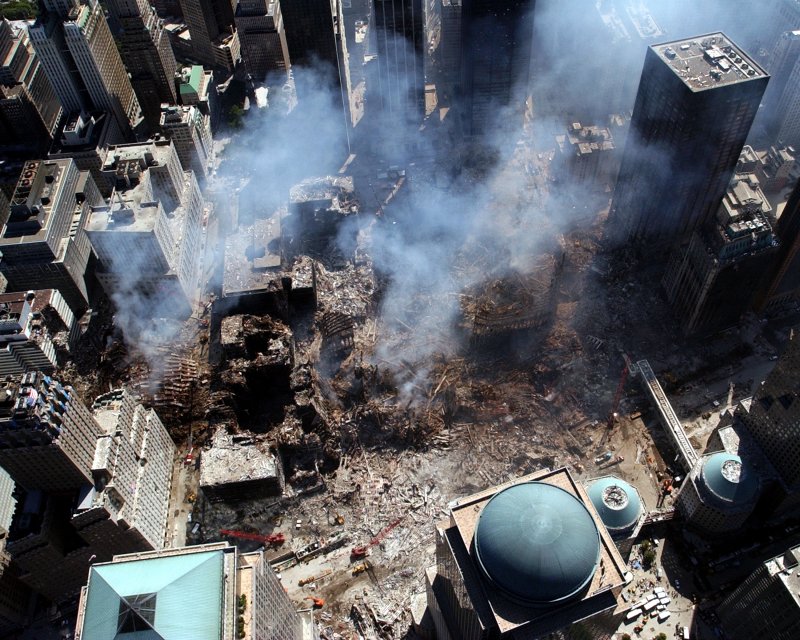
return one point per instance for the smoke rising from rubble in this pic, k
(454, 230)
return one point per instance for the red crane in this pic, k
(274, 539)
(360, 552)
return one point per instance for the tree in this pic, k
(625, 636)
(660, 636)
(649, 557)
(235, 115)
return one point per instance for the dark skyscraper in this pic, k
(781, 290)
(400, 38)
(263, 38)
(495, 60)
(696, 101)
(310, 31)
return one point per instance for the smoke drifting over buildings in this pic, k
(451, 231)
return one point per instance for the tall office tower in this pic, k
(448, 53)
(495, 61)
(197, 88)
(43, 243)
(47, 38)
(86, 138)
(310, 32)
(149, 238)
(696, 101)
(773, 421)
(30, 111)
(190, 131)
(99, 64)
(781, 288)
(153, 592)
(713, 280)
(401, 77)
(14, 596)
(90, 485)
(788, 108)
(147, 54)
(37, 332)
(777, 103)
(766, 604)
(132, 476)
(215, 42)
(497, 577)
(262, 38)
(47, 435)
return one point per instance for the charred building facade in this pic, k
(696, 101)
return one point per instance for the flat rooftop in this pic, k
(253, 258)
(229, 461)
(708, 61)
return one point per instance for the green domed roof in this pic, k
(537, 543)
(617, 502)
(729, 479)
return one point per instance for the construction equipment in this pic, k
(310, 579)
(338, 519)
(272, 540)
(317, 602)
(362, 567)
(362, 551)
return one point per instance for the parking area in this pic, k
(662, 591)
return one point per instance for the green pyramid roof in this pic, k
(168, 598)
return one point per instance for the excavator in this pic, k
(317, 603)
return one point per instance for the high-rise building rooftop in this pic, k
(708, 61)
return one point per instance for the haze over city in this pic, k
(419, 320)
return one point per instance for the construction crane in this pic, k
(362, 551)
(274, 539)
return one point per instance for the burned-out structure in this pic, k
(317, 209)
(239, 468)
(511, 306)
(589, 154)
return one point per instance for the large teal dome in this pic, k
(617, 503)
(729, 479)
(537, 543)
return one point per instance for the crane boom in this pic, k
(274, 538)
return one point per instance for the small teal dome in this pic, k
(537, 543)
(729, 479)
(617, 503)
